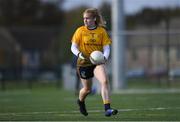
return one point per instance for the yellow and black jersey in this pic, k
(89, 41)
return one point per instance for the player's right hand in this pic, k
(81, 56)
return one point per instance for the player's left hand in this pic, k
(105, 60)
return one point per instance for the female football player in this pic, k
(88, 38)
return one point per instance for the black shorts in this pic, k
(86, 72)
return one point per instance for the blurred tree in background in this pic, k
(73, 20)
(30, 12)
(33, 26)
(105, 10)
(151, 16)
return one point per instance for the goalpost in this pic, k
(118, 46)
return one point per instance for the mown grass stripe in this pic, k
(70, 113)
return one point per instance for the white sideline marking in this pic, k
(147, 91)
(76, 113)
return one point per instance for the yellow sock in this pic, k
(106, 102)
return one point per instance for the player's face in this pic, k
(89, 21)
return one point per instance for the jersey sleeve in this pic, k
(106, 38)
(76, 37)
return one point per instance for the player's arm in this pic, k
(106, 51)
(75, 51)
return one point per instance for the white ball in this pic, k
(97, 57)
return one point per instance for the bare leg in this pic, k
(100, 74)
(85, 90)
(82, 95)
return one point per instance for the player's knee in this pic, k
(104, 82)
(87, 90)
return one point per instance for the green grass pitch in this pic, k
(60, 105)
